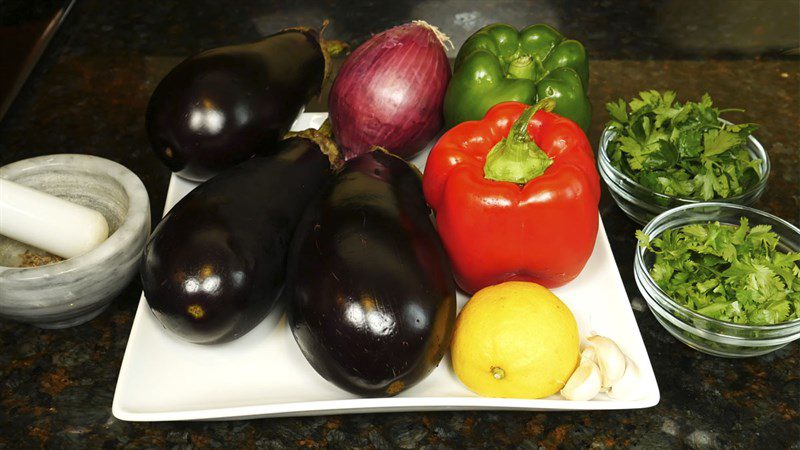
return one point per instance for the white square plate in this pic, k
(264, 373)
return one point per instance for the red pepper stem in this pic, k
(519, 130)
(517, 158)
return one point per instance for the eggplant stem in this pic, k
(322, 43)
(324, 141)
(378, 148)
(326, 129)
(326, 54)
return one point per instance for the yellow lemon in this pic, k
(515, 339)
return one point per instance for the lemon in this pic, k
(515, 339)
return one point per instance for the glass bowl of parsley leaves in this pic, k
(722, 278)
(657, 153)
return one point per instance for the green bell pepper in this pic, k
(499, 64)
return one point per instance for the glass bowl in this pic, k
(703, 333)
(642, 204)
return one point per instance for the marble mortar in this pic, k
(78, 289)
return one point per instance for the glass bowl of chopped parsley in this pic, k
(657, 153)
(722, 278)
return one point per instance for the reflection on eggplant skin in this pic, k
(219, 107)
(371, 298)
(370, 317)
(206, 121)
(215, 265)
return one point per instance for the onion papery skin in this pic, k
(390, 92)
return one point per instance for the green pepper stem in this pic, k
(517, 158)
(526, 67)
(522, 67)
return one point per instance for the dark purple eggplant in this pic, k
(215, 264)
(371, 297)
(219, 107)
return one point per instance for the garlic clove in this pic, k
(629, 386)
(609, 359)
(584, 384)
(588, 354)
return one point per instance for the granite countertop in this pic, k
(88, 95)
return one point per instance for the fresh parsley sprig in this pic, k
(681, 149)
(726, 272)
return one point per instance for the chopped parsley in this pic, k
(726, 272)
(682, 150)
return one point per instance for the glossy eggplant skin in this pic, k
(219, 107)
(215, 264)
(371, 297)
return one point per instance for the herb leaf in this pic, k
(730, 273)
(716, 142)
(683, 150)
(618, 111)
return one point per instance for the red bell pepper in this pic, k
(515, 196)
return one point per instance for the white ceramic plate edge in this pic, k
(392, 404)
(368, 405)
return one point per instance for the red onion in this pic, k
(390, 90)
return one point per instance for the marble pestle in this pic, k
(47, 222)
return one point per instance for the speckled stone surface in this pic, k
(88, 95)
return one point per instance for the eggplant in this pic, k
(370, 294)
(215, 264)
(221, 106)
